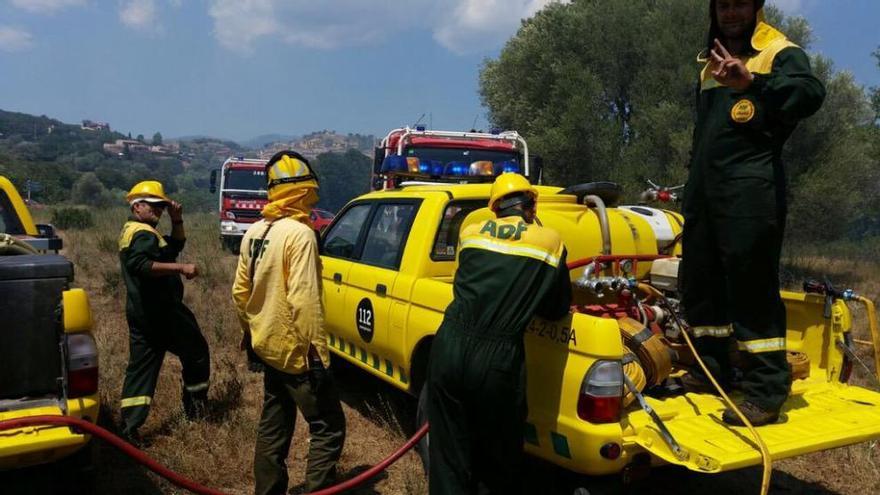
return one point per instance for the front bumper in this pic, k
(230, 228)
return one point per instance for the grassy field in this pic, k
(218, 452)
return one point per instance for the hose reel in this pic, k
(654, 354)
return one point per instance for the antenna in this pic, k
(420, 119)
(474, 125)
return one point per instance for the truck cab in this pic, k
(417, 153)
(48, 355)
(389, 261)
(242, 188)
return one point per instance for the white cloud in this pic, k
(46, 6)
(139, 15)
(14, 39)
(460, 25)
(476, 24)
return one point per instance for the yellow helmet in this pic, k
(150, 191)
(286, 171)
(507, 184)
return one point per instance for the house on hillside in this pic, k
(122, 145)
(88, 125)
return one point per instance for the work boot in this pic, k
(756, 415)
(697, 383)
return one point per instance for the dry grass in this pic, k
(218, 452)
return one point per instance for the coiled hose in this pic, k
(765, 452)
(182, 481)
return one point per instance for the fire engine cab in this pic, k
(418, 154)
(242, 184)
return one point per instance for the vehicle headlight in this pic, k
(228, 226)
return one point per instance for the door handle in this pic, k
(381, 289)
(337, 277)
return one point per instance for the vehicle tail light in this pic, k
(82, 365)
(601, 396)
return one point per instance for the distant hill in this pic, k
(266, 139)
(325, 141)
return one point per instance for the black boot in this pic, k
(756, 415)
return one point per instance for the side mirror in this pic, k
(378, 158)
(213, 187)
(536, 165)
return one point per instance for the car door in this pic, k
(369, 299)
(339, 247)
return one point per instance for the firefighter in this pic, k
(755, 86)
(510, 269)
(158, 321)
(277, 292)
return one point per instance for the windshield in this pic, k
(245, 179)
(446, 155)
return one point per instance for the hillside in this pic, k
(91, 164)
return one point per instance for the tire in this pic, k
(421, 419)
(232, 244)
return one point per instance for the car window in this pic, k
(9, 222)
(387, 235)
(342, 238)
(446, 241)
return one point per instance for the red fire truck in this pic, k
(418, 154)
(243, 196)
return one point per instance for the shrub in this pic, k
(72, 218)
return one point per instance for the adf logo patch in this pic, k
(743, 111)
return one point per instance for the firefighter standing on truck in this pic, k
(754, 88)
(158, 320)
(509, 269)
(277, 293)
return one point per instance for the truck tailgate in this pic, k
(816, 417)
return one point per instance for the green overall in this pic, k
(735, 208)
(158, 322)
(508, 271)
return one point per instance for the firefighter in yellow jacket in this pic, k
(277, 293)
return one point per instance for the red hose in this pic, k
(181, 481)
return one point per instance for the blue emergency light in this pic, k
(394, 163)
(507, 167)
(456, 169)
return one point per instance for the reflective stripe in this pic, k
(197, 387)
(763, 345)
(499, 247)
(707, 331)
(143, 400)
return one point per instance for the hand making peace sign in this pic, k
(729, 70)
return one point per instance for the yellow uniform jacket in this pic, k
(280, 303)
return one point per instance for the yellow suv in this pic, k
(48, 356)
(389, 259)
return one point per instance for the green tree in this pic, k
(88, 190)
(157, 139)
(140, 137)
(875, 91)
(342, 177)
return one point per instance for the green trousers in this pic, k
(477, 411)
(147, 347)
(314, 394)
(729, 280)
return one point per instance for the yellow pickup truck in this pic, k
(388, 266)
(48, 356)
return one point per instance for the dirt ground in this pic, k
(218, 451)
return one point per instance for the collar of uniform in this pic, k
(764, 34)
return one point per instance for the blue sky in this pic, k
(240, 68)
